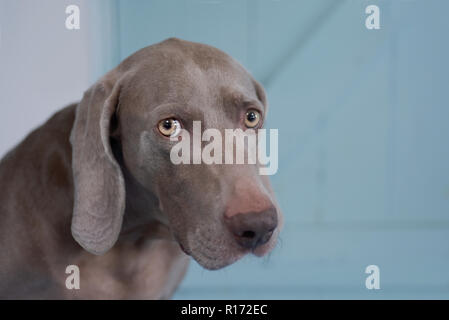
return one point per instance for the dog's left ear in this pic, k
(99, 201)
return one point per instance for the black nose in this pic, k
(253, 229)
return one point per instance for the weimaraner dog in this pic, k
(94, 186)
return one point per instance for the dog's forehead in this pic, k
(181, 71)
(174, 53)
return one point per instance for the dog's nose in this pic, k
(252, 229)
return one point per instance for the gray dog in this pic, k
(94, 186)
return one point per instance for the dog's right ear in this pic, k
(99, 201)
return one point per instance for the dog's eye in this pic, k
(252, 118)
(169, 127)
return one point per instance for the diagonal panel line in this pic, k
(300, 42)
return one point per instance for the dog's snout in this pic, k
(252, 229)
(250, 215)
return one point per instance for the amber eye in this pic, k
(252, 118)
(169, 127)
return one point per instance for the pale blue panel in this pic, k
(329, 262)
(219, 23)
(334, 93)
(363, 126)
(102, 22)
(419, 183)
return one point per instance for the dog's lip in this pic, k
(266, 247)
(183, 249)
(178, 240)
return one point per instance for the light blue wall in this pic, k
(363, 126)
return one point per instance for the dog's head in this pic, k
(143, 108)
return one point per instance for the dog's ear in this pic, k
(99, 201)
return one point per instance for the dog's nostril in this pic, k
(252, 229)
(248, 234)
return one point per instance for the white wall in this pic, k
(43, 66)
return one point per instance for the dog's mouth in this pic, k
(183, 249)
(212, 256)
